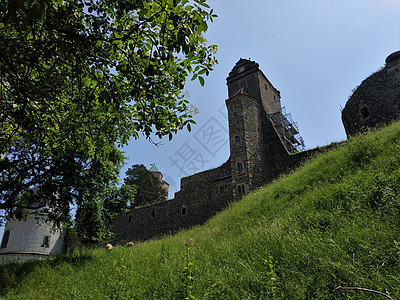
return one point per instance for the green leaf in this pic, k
(202, 26)
(188, 8)
(201, 80)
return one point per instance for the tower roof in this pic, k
(154, 169)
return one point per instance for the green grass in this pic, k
(333, 222)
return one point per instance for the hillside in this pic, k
(333, 222)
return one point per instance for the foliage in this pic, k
(333, 222)
(78, 79)
(187, 277)
(149, 189)
(94, 216)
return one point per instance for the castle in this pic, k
(264, 143)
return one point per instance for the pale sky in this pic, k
(315, 52)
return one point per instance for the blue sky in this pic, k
(315, 52)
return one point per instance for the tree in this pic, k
(149, 188)
(78, 79)
(94, 218)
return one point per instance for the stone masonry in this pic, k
(376, 101)
(263, 145)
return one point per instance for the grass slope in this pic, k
(334, 222)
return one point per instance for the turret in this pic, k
(159, 175)
(376, 101)
(29, 239)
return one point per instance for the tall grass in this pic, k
(333, 222)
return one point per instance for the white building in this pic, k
(30, 239)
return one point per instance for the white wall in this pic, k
(26, 240)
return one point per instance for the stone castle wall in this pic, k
(201, 196)
(376, 101)
(257, 157)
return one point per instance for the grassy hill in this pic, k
(333, 222)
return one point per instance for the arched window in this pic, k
(184, 210)
(239, 166)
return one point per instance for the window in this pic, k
(266, 86)
(241, 189)
(243, 85)
(274, 98)
(364, 112)
(239, 166)
(235, 115)
(184, 210)
(130, 219)
(221, 189)
(153, 213)
(237, 139)
(46, 241)
(6, 237)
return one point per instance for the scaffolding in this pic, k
(287, 130)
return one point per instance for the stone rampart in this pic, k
(202, 195)
(376, 101)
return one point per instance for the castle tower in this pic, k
(156, 172)
(259, 131)
(30, 239)
(376, 100)
(159, 176)
(247, 76)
